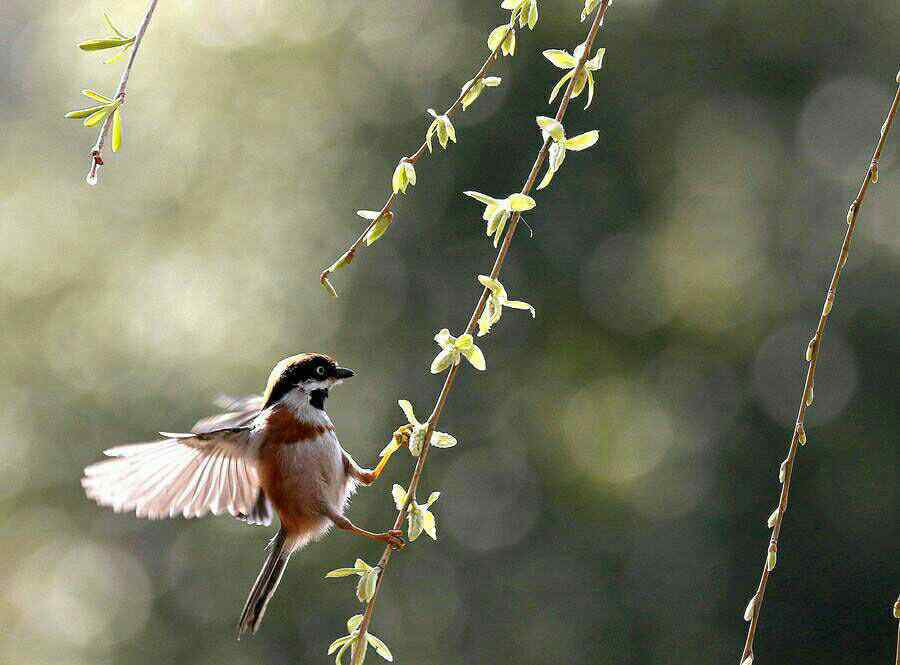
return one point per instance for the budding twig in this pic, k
(412, 159)
(897, 607)
(470, 327)
(812, 356)
(97, 151)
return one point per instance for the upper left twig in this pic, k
(108, 111)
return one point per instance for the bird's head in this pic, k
(307, 376)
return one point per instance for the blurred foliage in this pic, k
(607, 499)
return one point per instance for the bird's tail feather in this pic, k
(265, 585)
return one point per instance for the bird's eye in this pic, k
(320, 370)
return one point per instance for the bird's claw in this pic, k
(394, 538)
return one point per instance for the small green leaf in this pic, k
(407, 408)
(442, 440)
(551, 127)
(429, 525)
(341, 572)
(588, 8)
(117, 129)
(509, 44)
(399, 495)
(442, 361)
(97, 118)
(84, 113)
(103, 44)
(451, 130)
(482, 198)
(475, 357)
(583, 141)
(560, 84)
(339, 658)
(398, 181)
(365, 589)
(521, 202)
(548, 176)
(596, 62)
(519, 304)
(404, 176)
(590, 95)
(560, 58)
(497, 36)
(380, 647)
(329, 287)
(337, 643)
(93, 94)
(382, 223)
(410, 172)
(532, 15)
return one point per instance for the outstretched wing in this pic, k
(184, 474)
(240, 412)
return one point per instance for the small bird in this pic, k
(275, 453)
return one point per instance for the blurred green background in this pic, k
(617, 462)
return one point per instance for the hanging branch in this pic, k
(785, 473)
(897, 603)
(499, 214)
(502, 40)
(109, 110)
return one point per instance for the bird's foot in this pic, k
(394, 538)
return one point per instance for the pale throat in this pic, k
(303, 405)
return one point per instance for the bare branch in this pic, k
(798, 438)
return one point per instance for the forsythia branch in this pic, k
(486, 293)
(754, 607)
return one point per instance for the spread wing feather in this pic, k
(240, 411)
(184, 474)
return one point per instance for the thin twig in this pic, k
(97, 151)
(470, 327)
(897, 609)
(812, 355)
(417, 155)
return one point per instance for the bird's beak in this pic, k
(343, 373)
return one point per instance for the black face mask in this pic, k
(317, 398)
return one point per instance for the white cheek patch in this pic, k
(324, 384)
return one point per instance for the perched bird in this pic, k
(275, 453)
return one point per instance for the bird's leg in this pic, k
(394, 537)
(369, 476)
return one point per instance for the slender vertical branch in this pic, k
(420, 152)
(97, 150)
(470, 327)
(798, 438)
(897, 616)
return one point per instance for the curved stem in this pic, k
(815, 345)
(97, 150)
(417, 155)
(470, 327)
